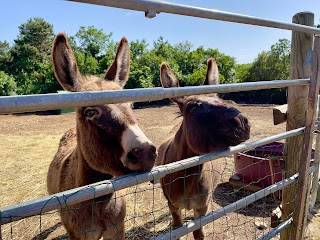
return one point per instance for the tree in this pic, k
(140, 77)
(273, 64)
(38, 33)
(94, 50)
(269, 65)
(87, 64)
(4, 55)
(241, 72)
(106, 59)
(7, 84)
(30, 62)
(189, 65)
(145, 63)
(141, 74)
(138, 48)
(31, 57)
(182, 57)
(93, 40)
(163, 48)
(226, 65)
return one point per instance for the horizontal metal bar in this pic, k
(67, 198)
(235, 206)
(274, 232)
(151, 7)
(31, 103)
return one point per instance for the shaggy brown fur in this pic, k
(208, 124)
(106, 142)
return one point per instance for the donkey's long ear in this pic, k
(168, 79)
(212, 76)
(119, 69)
(65, 65)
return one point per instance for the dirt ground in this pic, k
(29, 142)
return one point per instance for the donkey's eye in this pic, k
(192, 109)
(90, 112)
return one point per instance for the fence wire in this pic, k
(148, 216)
(258, 169)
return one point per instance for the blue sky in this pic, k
(243, 42)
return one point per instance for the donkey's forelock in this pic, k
(93, 83)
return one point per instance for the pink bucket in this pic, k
(263, 165)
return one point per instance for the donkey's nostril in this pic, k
(135, 153)
(243, 118)
(245, 122)
(235, 122)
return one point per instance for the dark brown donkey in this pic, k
(106, 142)
(208, 124)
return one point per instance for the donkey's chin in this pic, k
(236, 141)
(138, 166)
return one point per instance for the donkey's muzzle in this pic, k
(241, 128)
(142, 158)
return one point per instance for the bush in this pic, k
(7, 84)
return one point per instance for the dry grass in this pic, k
(29, 142)
(21, 157)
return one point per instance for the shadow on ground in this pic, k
(224, 195)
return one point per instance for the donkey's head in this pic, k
(108, 135)
(208, 123)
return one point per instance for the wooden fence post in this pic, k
(303, 187)
(301, 52)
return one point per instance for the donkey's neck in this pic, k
(85, 174)
(182, 149)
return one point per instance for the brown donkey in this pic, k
(208, 124)
(106, 142)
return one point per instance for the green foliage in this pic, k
(141, 73)
(193, 64)
(36, 32)
(242, 71)
(7, 84)
(73, 44)
(30, 57)
(27, 68)
(93, 41)
(269, 65)
(138, 48)
(189, 65)
(4, 55)
(29, 61)
(93, 49)
(140, 77)
(106, 60)
(86, 63)
(196, 78)
(226, 65)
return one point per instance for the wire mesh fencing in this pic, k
(148, 215)
(147, 211)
